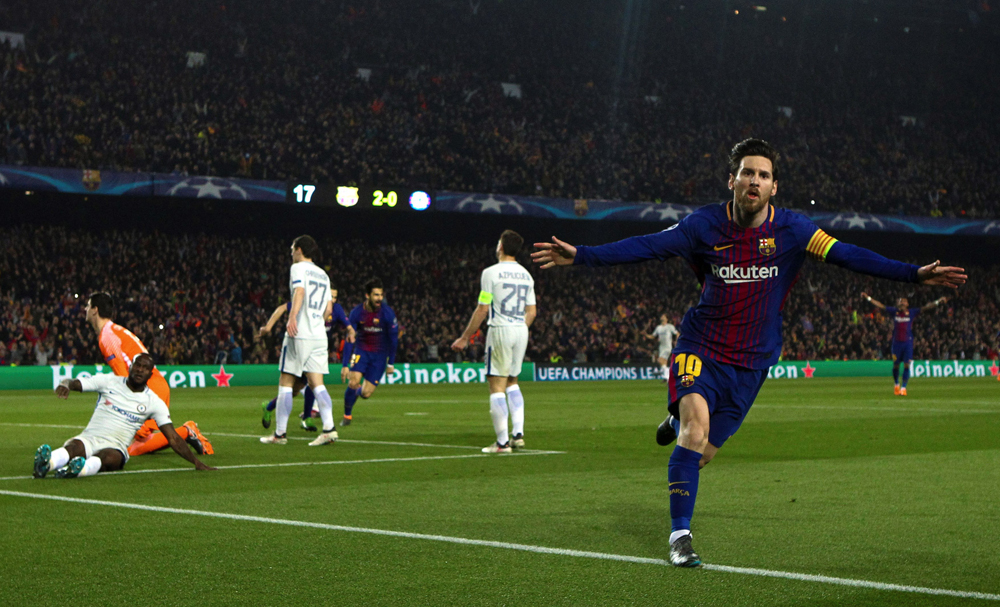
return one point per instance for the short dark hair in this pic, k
(104, 303)
(310, 250)
(373, 283)
(753, 147)
(511, 242)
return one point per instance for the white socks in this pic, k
(59, 458)
(679, 534)
(666, 371)
(92, 467)
(325, 407)
(283, 408)
(515, 401)
(498, 411)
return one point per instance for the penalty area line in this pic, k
(822, 579)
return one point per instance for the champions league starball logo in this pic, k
(208, 187)
(496, 205)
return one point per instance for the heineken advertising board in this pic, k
(225, 376)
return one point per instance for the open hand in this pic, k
(945, 276)
(555, 253)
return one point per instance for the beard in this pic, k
(750, 207)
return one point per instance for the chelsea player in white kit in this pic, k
(507, 296)
(666, 333)
(305, 348)
(123, 406)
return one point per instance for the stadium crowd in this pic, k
(274, 93)
(197, 299)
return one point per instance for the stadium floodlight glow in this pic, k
(420, 200)
(812, 202)
(161, 327)
(760, 9)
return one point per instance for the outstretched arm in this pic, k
(66, 385)
(878, 304)
(181, 448)
(937, 302)
(862, 260)
(478, 316)
(663, 245)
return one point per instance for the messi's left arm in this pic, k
(858, 259)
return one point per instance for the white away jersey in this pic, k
(666, 333)
(313, 279)
(120, 412)
(508, 289)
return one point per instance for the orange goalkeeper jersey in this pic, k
(119, 347)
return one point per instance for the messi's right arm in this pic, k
(673, 242)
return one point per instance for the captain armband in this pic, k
(820, 244)
(485, 298)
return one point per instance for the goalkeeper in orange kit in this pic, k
(119, 347)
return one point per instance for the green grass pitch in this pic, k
(829, 477)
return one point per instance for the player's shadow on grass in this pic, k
(650, 527)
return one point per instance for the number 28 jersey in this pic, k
(315, 282)
(507, 288)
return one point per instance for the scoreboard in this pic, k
(332, 195)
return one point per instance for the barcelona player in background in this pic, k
(902, 334)
(374, 351)
(746, 254)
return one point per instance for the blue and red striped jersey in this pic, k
(377, 332)
(745, 275)
(902, 323)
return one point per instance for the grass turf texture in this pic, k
(831, 477)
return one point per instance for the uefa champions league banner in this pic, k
(782, 370)
(670, 213)
(112, 183)
(227, 376)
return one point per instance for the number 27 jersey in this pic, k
(507, 288)
(315, 282)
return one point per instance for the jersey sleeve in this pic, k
(393, 334)
(676, 241)
(95, 383)
(110, 344)
(485, 289)
(339, 317)
(298, 279)
(821, 246)
(159, 412)
(890, 309)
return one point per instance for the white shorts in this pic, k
(505, 348)
(93, 443)
(664, 354)
(300, 356)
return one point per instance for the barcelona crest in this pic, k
(347, 196)
(687, 380)
(767, 246)
(91, 179)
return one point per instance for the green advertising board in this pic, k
(797, 369)
(222, 376)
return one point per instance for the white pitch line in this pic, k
(803, 577)
(382, 460)
(380, 442)
(903, 409)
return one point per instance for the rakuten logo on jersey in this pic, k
(734, 274)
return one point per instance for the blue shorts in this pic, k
(728, 389)
(902, 350)
(371, 365)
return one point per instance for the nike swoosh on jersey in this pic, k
(718, 248)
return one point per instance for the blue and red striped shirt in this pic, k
(745, 273)
(902, 323)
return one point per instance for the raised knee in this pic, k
(694, 437)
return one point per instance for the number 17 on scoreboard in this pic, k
(303, 192)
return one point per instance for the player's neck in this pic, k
(504, 258)
(99, 324)
(134, 387)
(749, 221)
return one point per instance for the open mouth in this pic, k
(753, 195)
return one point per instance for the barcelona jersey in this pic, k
(377, 332)
(902, 323)
(745, 275)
